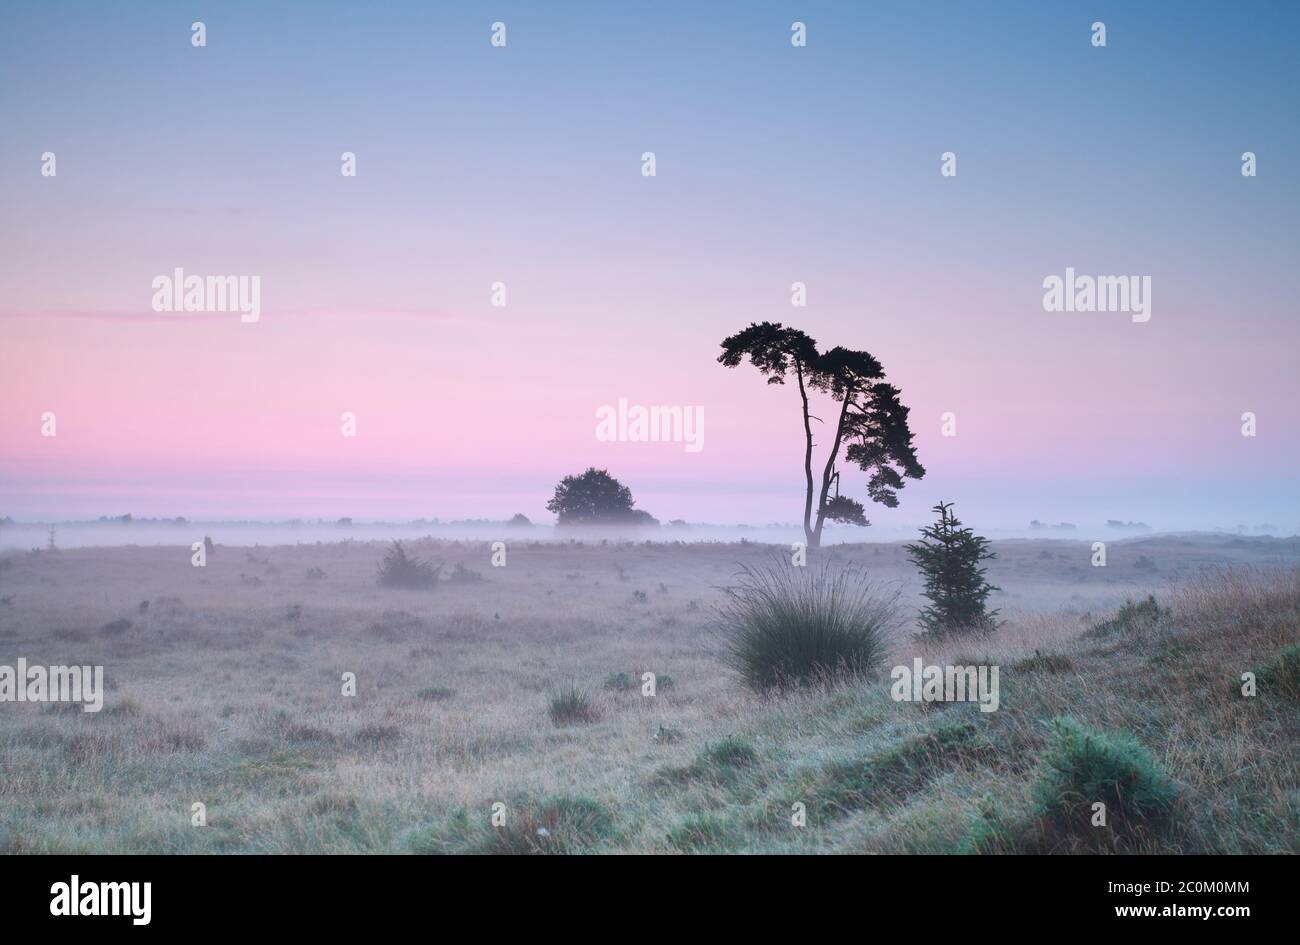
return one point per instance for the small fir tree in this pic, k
(949, 557)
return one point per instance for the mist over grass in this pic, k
(527, 688)
(24, 535)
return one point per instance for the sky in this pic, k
(522, 165)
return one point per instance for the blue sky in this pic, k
(774, 164)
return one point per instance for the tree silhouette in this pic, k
(871, 427)
(949, 556)
(595, 498)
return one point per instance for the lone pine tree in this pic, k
(871, 426)
(949, 557)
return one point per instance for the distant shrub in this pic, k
(571, 706)
(463, 575)
(519, 520)
(1133, 617)
(116, 628)
(620, 681)
(398, 569)
(783, 626)
(1083, 767)
(1143, 563)
(436, 694)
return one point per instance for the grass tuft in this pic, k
(571, 706)
(784, 626)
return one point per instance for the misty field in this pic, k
(522, 686)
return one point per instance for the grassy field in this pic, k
(225, 689)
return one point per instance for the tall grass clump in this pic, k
(398, 569)
(784, 626)
(571, 705)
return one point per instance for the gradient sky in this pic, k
(522, 165)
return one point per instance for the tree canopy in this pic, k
(596, 498)
(871, 428)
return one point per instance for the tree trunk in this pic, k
(812, 539)
(816, 540)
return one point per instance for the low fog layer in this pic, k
(29, 535)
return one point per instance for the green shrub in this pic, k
(783, 626)
(1083, 767)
